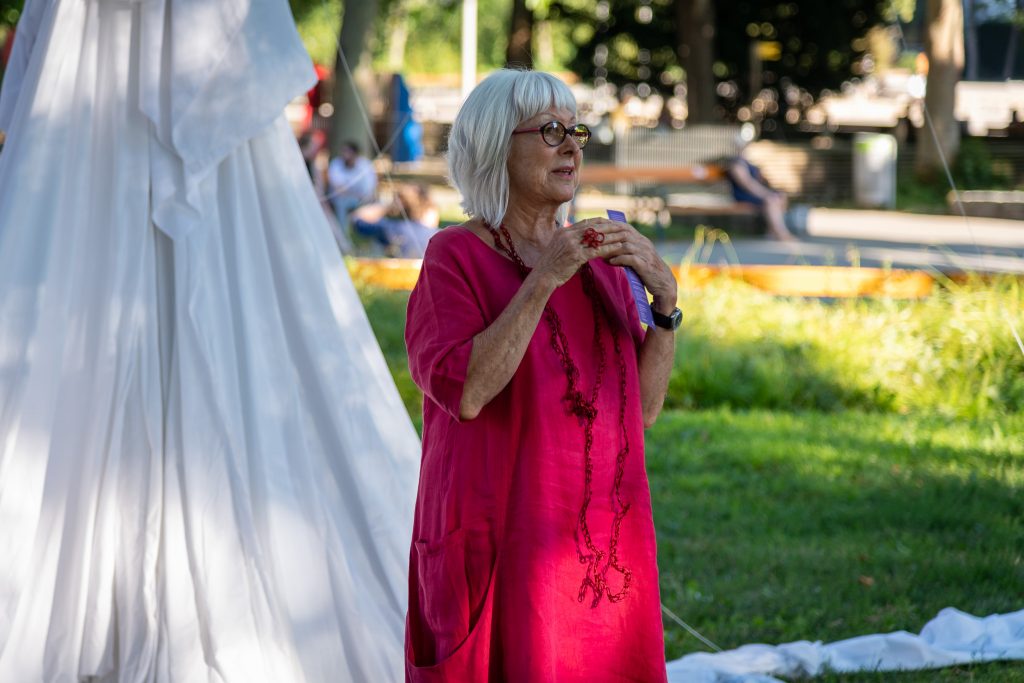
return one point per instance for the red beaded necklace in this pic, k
(585, 408)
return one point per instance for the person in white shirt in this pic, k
(351, 182)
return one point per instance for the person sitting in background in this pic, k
(313, 144)
(351, 182)
(404, 227)
(748, 185)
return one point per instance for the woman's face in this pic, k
(541, 174)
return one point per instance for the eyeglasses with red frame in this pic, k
(553, 133)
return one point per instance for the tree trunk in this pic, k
(695, 35)
(520, 37)
(398, 37)
(1010, 59)
(349, 103)
(545, 41)
(971, 40)
(1011, 53)
(944, 45)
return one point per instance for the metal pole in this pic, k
(468, 46)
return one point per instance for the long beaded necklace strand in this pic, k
(585, 409)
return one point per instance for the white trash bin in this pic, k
(874, 170)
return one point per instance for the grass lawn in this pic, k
(775, 527)
(778, 525)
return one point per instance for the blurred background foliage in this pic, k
(764, 61)
(952, 354)
(630, 41)
(818, 44)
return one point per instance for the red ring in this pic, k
(592, 238)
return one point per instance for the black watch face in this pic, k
(670, 321)
(677, 318)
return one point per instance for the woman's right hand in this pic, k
(566, 253)
(499, 349)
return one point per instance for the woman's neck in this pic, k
(530, 224)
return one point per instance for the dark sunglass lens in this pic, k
(554, 133)
(581, 134)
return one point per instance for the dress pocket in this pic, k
(453, 575)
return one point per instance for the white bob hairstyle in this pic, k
(480, 138)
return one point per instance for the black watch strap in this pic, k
(672, 321)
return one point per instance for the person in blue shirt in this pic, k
(749, 185)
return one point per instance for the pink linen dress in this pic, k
(494, 574)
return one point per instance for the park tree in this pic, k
(665, 43)
(629, 41)
(340, 33)
(520, 35)
(1013, 45)
(391, 36)
(348, 122)
(944, 46)
(538, 34)
(695, 39)
(991, 27)
(430, 37)
(971, 8)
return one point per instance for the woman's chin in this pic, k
(564, 194)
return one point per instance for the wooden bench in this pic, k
(673, 173)
(653, 201)
(608, 174)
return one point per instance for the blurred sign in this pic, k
(768, 50)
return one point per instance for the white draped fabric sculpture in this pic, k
(206, 472)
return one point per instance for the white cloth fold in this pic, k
(212, 75)
(952, 637)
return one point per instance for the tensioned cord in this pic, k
(930, 125)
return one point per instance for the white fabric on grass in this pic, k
(206, 472)
(953, 637)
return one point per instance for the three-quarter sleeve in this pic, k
(443, 318)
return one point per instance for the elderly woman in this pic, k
(534, 551)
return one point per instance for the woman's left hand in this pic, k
(624, 246)
(630, 248)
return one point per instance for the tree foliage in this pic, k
(318, 22)
(817, 45)
(435, 26)
(428, 32)
(10, 10)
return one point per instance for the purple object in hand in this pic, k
(643, 305)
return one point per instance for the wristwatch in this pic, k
(672, 321)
